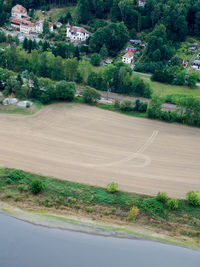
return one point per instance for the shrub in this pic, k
(16, 175)
(22, 188)
(36, 186)
(113, 187)
(65, 90)
(117, 104)
(162, 197)
(152, 207)
(28, 105)
(95, 59)
(193, 198)
(126, 105)
(134, 211)
(90, 95)
(106, 212)
(172, 204)
(89, 209)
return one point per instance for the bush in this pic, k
(126, 105)
(113, 187)
(28, 105)
(172, 204)
(90, 95)
(162, 197)
(193, 198)
(22, 188)
(95, 59)
(16, 175)
(117, 104)
(134, 211)
(152, 207)
(89, 209)
(65, 90)
(36, 186)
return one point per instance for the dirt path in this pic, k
(89, 145)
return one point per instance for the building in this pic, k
(193, 47)
(50, 26)
(77, 33)
(39, 26)
(142, 3)
(128, 58)
(196, 64)
(131, 49)
(19, 12)
(135, 42)
(107, 61)
(21, 22)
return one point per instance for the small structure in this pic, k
(131, 49)
(75, 33)
(24, 104)
(10, 101)
(142, 3)
(128, 58)
(196, 64)
(59, 24)
(193, 47)
(50, 26)
(107, 61)
(135, 42)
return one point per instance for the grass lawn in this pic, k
(12, 109)
(168, 89)
(54, 13)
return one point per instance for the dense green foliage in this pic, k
(90, 95)
(194, 198)
(37, 186)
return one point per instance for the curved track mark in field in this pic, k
(136, 155)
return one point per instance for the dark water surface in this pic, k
(25, 245)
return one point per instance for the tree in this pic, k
(37, 186)
(193, 77)
(46, 27)
(133, 33)
(83, 11)
(90, 95)
(25, 44)
(65, 90)
(70, 68)
(95, 59)
(84, 69)
(77, 53)
(104, 51)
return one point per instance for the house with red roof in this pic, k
(19, 12)
(128, 57)
(75, 33)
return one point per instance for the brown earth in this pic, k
(89, 145)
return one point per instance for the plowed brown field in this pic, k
(89, 145)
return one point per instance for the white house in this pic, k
(39, 26)
(77, 33)
(20, 12)
(128, 58)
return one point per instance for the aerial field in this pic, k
(94, 146)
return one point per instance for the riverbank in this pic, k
(82, 224)
(94, 210)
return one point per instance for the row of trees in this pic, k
(187, 112)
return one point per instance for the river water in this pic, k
(25, 245)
